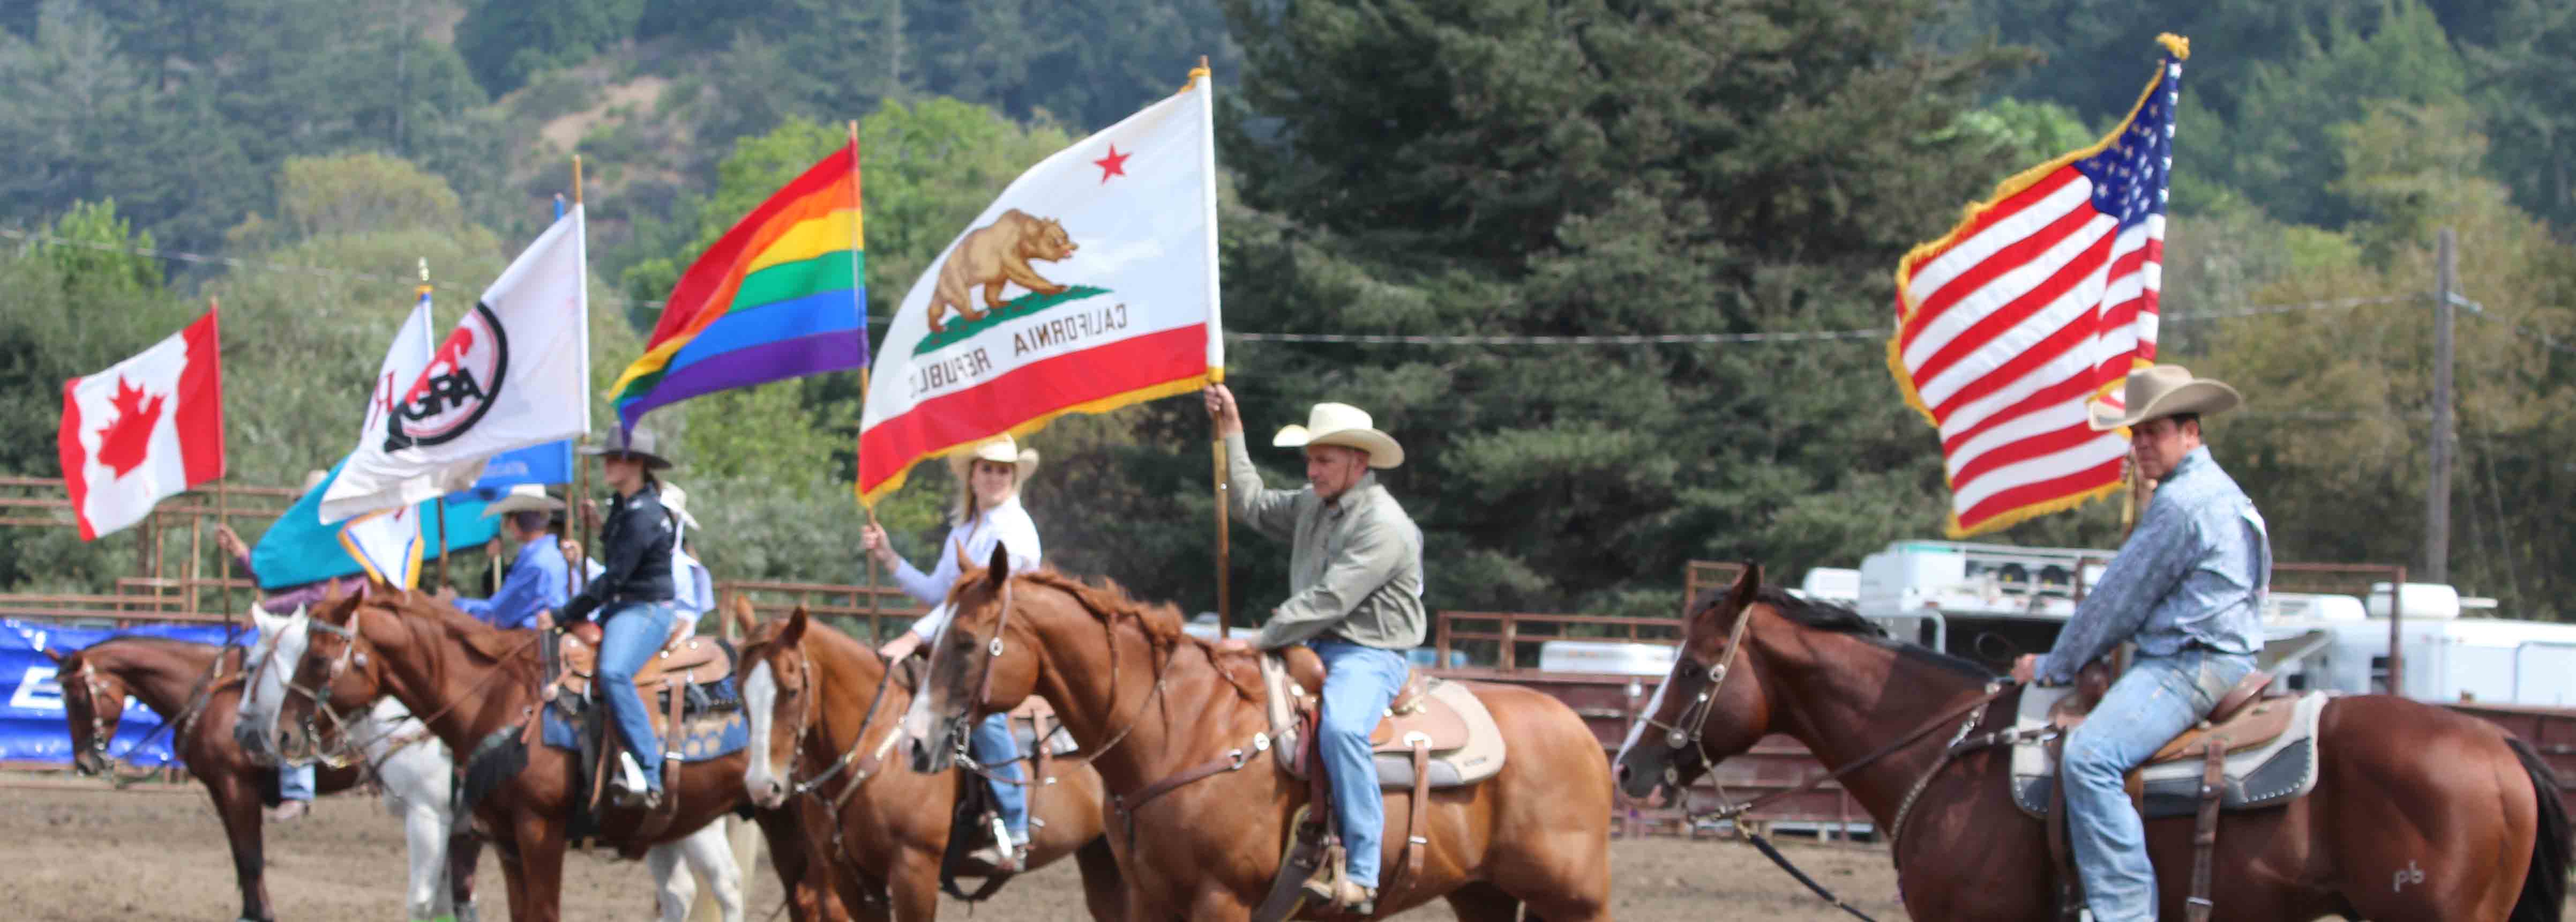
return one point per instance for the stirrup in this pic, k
(1324, 888)
(1003, 861)
(1355, 899)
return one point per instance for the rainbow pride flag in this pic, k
(781, 295)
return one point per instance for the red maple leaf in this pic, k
(127, 439)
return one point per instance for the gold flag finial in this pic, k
(2180, 46)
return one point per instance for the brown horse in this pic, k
(473, 681)
(1148, 702)
(810, 690)
(182, 682)
(2465, 818)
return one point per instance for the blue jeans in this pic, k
(295, 781)
(629, 636)
(2157, 699)
(994, 748)
(1359, 682)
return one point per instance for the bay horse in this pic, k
(1147, 702)
(417, 774)
(810, 690)
(2464, 818)
(194, 687)
(474, 682)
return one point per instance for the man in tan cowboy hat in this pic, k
(2188, 589)
(536, 587)
(1355, 598)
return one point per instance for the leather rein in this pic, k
(1690, 730)
(339, 755)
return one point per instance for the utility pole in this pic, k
(2437, 493)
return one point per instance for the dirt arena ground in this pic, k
(87, 853)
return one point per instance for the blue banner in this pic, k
(550, 463)
(31, 701)
(299, 549)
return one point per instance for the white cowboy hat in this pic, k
(1344, 425)
(311, 479)
(2162, 391)
(999, 449)
(677, 500)
(526, 497)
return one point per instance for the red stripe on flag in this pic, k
(2076, 387)
(200, 413)
(2034, 493)
(2013, 256)
(2031, 359)
(2036, 446)
(1026, 393)
(67, 446)
(2066, 278)
(2045, 187)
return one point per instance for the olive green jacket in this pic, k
(1354, 564)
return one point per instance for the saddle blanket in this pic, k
(703, 736)
(2268, 775)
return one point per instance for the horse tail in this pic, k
(2544, 887)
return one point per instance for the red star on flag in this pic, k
(1113, 165)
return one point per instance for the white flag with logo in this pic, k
(515, 372)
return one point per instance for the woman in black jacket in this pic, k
(632, 596)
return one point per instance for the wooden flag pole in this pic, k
(1224, 551)
(574, 570)
(856, 200)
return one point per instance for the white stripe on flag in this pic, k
(2043, 421)
(1967, 254)
(2001, 291)
(2091, 454)
(2056, 370)
(2079, 302)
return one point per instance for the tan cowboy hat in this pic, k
(640, 445)
(526, 497)
(677, 500)
(311, 479)
(1001, 449)
(1344, 425)
(2162, 391)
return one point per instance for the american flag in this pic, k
(2039, 302)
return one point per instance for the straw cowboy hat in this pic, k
(2162, 391)
(640, 445)
(526, 497)
(1344, 425)
(677, 500)
(999, 449)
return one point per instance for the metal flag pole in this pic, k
(442, 497)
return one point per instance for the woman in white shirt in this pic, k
(988, 513)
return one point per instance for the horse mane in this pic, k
(1160, 622)
(487, 643)
(191, 651)
(1838, 619)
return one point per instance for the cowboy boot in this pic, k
(1324, 889)
(1355, 899)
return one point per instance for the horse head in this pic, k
(1697, 717)
(341, 672)
(778, 694)
(93, 703)
(281, 644)
(975, 667)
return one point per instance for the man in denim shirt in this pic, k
(2188, 589)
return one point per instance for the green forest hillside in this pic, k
(1486, 167)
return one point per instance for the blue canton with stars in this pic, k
(2129, 176)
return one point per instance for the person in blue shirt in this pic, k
(2187, 588)
(535, 587)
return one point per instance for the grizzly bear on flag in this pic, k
(993, 254)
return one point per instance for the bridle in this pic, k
(1689, 729)
(96, 691)
(957, 726)
(340, 756)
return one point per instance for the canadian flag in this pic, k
(148, 427)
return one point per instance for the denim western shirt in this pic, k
(2194, 573)
(536, 583)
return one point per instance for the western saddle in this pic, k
(684, 663)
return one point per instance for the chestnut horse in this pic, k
(181, 682)
(474, 681)
(2464, 817)
(1148, 702)
(810, 690)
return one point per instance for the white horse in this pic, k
(415, 769)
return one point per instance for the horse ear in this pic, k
(795, 632)
(999, 568)
(743, 621)
(1747, 584)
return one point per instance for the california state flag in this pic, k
(1090, 284)
(148, 427)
